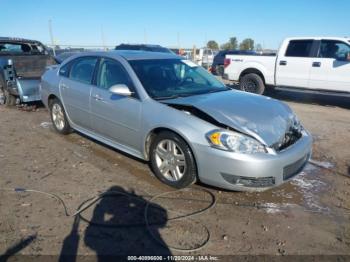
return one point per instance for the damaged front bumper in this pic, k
(255, 172)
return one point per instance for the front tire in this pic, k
(59, 117)
(172, 160)
(252, 83)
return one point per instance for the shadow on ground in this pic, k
(305, 98)
(117, 227)
(13, 250)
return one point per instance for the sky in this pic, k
(172, 22)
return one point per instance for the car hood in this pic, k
(261, 117)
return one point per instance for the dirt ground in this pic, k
(307, 216)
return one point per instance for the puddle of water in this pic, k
(311, 185)
(303, 191)
(321, 164)
(273, 208)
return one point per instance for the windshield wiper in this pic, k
(172, 96)
(186, 95)
(218, 90)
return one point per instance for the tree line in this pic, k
(232, 44)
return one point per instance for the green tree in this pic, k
(213, 45)
(232, 44)
(247, 44)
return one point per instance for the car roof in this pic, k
(318, 38)
(129, 54)
(139, 45)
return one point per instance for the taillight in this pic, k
(227, 62)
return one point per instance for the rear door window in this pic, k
(299, 48)
(82, 69)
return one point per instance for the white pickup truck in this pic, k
(317, 64)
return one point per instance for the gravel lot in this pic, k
(308, 215)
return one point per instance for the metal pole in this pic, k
(145, 35)
(207, 49)
(194, 53)
(51, 36)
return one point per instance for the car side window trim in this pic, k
(315, 48)
(95, 74)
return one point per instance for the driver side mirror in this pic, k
(120, 89)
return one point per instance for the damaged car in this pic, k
(22, 62)
(174, 114)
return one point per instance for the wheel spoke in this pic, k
(171, 146)
(164, 168)
(161, 152)
(176, 173)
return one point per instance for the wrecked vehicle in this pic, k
(22, 62)
(174, 114)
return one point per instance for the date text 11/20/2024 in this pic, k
(173, 258)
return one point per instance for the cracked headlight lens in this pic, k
(235, 142)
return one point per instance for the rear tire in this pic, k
(252, 83)
(59, 117)
(10, 100)
(172, 160)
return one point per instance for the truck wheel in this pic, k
(252, 83)
(2, 96)
(10, 100)
(172, 160)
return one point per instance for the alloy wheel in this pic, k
(170, 160)
(58, 116)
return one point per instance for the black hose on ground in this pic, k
(91, 201)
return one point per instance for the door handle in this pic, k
(64, 86)
(283, 62)
(98, 98)
(316, 64)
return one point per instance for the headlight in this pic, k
(235, 142)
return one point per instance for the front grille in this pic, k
(295, 168)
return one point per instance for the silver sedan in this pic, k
(171, 112)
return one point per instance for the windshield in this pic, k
(171, 78)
